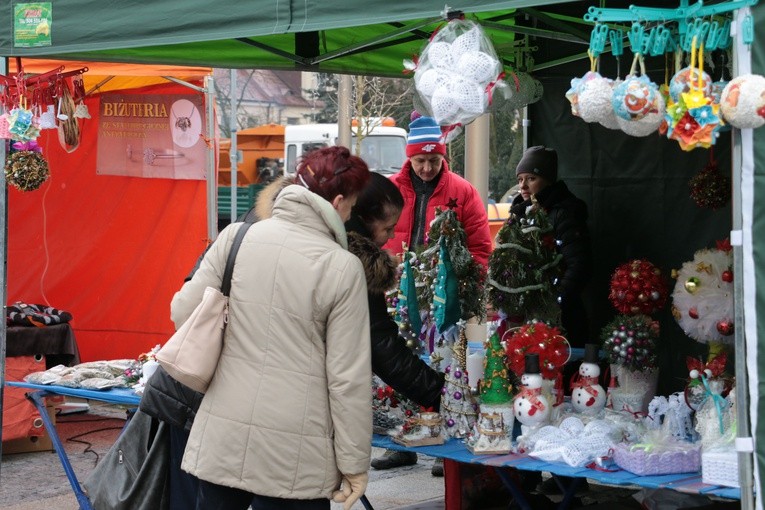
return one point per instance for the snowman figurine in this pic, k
(530, 406)
(587, 395)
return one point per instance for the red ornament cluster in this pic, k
(537, 338)
(637, 287)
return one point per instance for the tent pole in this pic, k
(233, 137)
(345, 88)
(742, 64)
(212, 184)
(4, 268)
(477, 155)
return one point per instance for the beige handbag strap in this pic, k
(225, 287)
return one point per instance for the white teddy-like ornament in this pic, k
(530, 406)
(587, 396)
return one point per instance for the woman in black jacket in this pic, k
(371, 225)
(537, 174)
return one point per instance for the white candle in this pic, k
(475, 367)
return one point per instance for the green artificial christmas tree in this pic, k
(524, 268)
(447, 233)
(496, 387)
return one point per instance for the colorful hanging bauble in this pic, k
(692, 117)
(710, 188)
(26, 168)
(743, 101)
(647, 124)
(630, 341)
(634, 98)
(702, 300)
(689, 78)
(637, 287)
(539, 338)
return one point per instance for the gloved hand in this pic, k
(352, 488)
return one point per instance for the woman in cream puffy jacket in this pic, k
(287, 417)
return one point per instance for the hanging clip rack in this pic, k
(681, 15)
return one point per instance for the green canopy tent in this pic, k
(365, 37)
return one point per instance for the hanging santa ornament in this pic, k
(636, 95)
(637, 287)
(743, 101)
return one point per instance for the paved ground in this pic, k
(36, 481)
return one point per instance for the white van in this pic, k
(383, 149)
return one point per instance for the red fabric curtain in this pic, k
(111, 250)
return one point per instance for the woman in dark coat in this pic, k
(537, 174)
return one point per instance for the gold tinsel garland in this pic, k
(26, 170)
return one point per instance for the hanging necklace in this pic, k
(184, 123)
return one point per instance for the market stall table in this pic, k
(116, 396)
(456, 450)
(453, 449)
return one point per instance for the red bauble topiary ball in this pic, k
(637, 287)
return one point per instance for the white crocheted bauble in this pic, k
(595, 99)
(470, 96)
(468, 42)
(743, 101)
(478, 66)
(646, 125)
(428, 80)
(439, 54)
(444, 105)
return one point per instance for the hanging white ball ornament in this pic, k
(742, 103)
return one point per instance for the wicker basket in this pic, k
(720, 467)
(657, 462)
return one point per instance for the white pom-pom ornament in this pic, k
(594, 99)
(428, 80)
(468, 42)
(469, 96)
(646, 125)
(439, 54)
(743, 101)
(478, 66)
(444, 105)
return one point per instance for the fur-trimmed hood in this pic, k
(379, 265)
(264, 203)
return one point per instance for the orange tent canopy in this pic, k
(106, 76)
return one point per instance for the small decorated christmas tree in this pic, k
(458, 407)
(524, 268)
(407, 307)
(496, 385)
(447, 233)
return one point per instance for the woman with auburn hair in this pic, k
(285, 422)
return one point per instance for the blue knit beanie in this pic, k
(424, 137)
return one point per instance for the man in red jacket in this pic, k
(425, 183)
